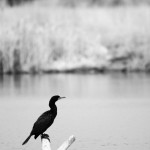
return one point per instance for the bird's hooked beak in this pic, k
(61, 98)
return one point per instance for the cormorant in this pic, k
(45, 120)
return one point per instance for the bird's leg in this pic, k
(42, 135)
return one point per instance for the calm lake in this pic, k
(104, 112)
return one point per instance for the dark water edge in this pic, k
(81, 71)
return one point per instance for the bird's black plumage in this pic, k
(45, 120)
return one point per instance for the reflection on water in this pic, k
(93, 86)
(102, 111)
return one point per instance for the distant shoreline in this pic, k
(82, 70)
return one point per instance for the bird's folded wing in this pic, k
(44, 121)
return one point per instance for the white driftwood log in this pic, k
(46, 145)
(46, 142)
(67, 143)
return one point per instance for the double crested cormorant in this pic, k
(45, 120)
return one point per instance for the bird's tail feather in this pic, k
(27, 139)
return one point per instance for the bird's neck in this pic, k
(53, 107)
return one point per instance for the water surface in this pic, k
(104, 112)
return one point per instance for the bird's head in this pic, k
(54, 99)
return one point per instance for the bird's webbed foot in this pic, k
(45, 136)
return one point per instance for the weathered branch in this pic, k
(67, 143)
(46, 142)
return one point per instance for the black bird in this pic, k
(45, 120)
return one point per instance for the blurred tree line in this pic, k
(16, 2)
(74, 3)
(13, 2)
